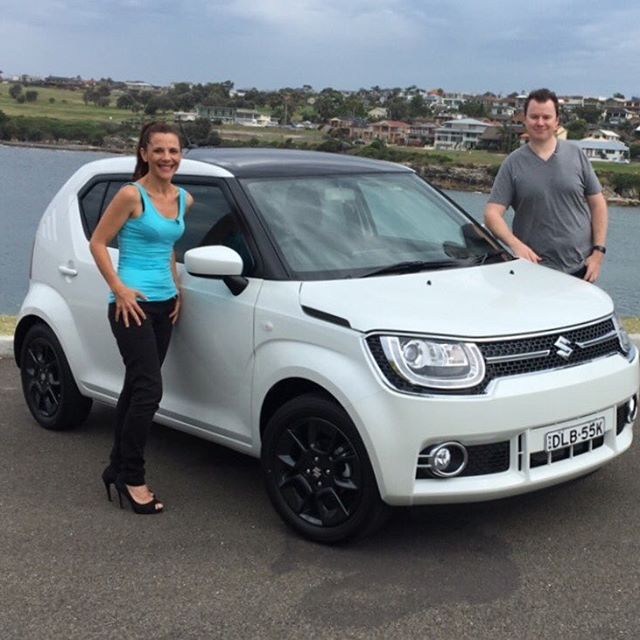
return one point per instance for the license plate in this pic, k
(574, 435)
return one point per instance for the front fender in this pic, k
(346, 375)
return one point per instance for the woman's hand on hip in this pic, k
(127, 306)
(175, 314)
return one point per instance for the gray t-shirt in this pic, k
(552, 215)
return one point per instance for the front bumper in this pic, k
(518, 411)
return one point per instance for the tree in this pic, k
(197, 132)
(590, 114)
(473, 109)
(576, 129)
(31, 95)
(15, 90)
(418, 108)
(125, 101)
(329, 103)
(397, 108)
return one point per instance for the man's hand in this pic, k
(522, 250)
(594, 265)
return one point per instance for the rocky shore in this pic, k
(480, 179)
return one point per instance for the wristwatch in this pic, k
(599, 247)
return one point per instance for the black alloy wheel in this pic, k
(318, 473)
(47, 383)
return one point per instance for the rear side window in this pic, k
(212, 219)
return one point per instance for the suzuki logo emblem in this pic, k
(564, 347)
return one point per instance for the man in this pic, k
(560, 213)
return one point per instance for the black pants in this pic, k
(143, 349)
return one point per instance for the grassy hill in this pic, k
(62, 104)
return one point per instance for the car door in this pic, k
(207, 375)
(87, 292)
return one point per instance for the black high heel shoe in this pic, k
(145, 509)
(109, 478)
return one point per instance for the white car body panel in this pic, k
(496, 300)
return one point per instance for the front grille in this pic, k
(516, 356)
(483, 459)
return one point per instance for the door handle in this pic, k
(67, 271)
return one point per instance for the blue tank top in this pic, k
(145, 246)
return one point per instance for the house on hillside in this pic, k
(502, 138)
(226, 115)
(139, 85)
(604, 150)
(617, 115)
(377, 112)
(462, 133)
(603, 134)
(501, 109)
(391, 131)
(421, 133)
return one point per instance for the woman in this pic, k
(147, 215)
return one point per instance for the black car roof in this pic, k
(254, 163)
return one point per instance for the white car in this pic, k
(349, 325)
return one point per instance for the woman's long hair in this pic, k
(142, 167)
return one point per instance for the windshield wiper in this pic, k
(490, 256)
(413, 266)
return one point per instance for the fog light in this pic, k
(447, 460)
(632, 409)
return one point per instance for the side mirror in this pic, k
(217, 262)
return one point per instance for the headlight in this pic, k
(626, 344)
(434, 363)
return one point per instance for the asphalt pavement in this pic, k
(561, 564)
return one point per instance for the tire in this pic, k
(318, 474)
(48, 386)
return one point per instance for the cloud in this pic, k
(352, 23)
(570, 45)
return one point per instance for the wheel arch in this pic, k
(46, 305)
(25, 323)
(286, 390)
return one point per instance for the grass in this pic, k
(68, 105)
(7, 325)
(238, 132)
(633, 168)
(632, 325)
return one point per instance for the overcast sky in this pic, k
(587, 47)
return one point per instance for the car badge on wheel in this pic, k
(564, 347)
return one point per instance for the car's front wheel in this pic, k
(48, 386)
(317, 471)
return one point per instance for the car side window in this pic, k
(211, 220)
(95, 200)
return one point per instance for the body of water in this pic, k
(29, 178)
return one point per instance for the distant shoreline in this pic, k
(63, 147)
(443, 177)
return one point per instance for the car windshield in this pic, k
(364, 225)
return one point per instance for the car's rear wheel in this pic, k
(317, 471)
(48, 386)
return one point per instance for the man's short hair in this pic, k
(542, 95)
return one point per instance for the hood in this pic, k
(503, 299)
